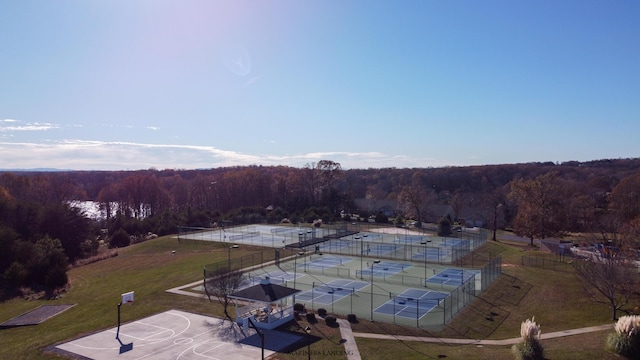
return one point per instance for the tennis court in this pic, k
(412, 303)
(324, 261)
(430, 254)
(410, 239)
(356, 273)
(378, 249)
(335, 290)
(383, 269)
(452, 242)
(451, 277)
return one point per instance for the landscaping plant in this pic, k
(626, 340)
(529, 348)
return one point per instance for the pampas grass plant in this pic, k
(529, 348)
(626, 340)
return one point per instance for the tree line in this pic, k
(40, 228)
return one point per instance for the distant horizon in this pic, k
(555, 163)
(133, 84)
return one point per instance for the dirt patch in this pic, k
(36, 316)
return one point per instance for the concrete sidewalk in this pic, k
(503, 342)
(350, 346)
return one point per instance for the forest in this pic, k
(42, 233)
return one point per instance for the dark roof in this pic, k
(264, 292)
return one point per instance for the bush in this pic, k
(120, 239)
(352, 318)
(528, 350)
(444, 227)
(382, 218)
(311, 318)
(530, 347)
(626, 340)
(322, 312)
(331, 320)
(299, 308)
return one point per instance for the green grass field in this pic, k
(556, 299)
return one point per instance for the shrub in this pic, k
(531, 350)
(352, 318)
(120, 239)
(322, 312)
(626, 340)
(331, 320)
(311, 318)
(299, 307)
(530, 347)
(444, 227)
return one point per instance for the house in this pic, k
(265, 304)
(374, 206)
(434, 212)
(556, 246)
(480, 217)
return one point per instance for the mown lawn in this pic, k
(556, 299)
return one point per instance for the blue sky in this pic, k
(127, 84)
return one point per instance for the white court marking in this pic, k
(167, 336)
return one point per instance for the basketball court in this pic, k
(177, 335)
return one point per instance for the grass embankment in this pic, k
(147, 268)
(556, 299)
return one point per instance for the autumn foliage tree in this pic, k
(539, 202)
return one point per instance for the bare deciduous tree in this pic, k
(221, 285)
(611, 274)
(414, 199)
(611, 279)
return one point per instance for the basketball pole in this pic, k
(118, 331)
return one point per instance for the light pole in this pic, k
(308, 331)
(360, 239)
(425, 261)
(295, 271)
(234, 246)
(372, 265)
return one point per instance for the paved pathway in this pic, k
(352, 352)
(350, 346)
(483, 342)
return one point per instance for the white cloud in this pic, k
(16, 125)
(100, 155)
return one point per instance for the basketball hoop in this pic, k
(127, 298)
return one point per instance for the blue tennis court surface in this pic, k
(383, 269)
(410, 239)
(331, 292)
(275, 277)
(324, 261)
(378, 249)
(451, 277)
(337, 245)
(412, 303)
(371, 236)
(433, 254)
